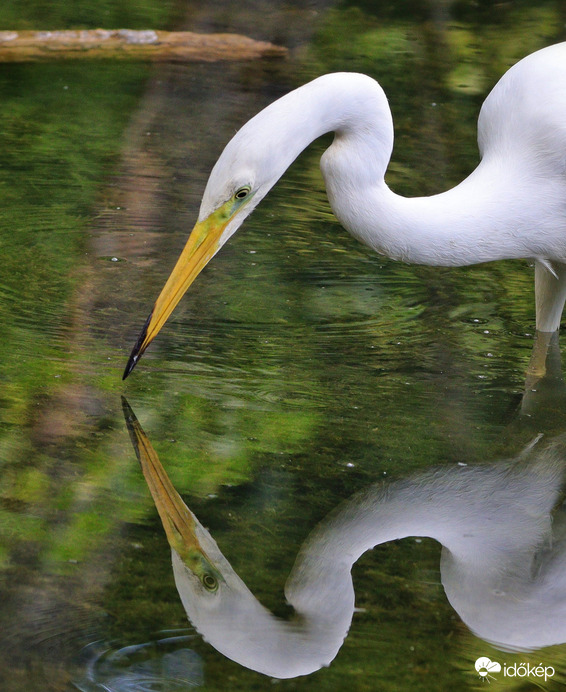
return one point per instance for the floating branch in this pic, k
(158, 46)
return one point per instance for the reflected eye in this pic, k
(209, 582)
(242, 192)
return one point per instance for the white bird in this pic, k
(513, 205)
(503, 562)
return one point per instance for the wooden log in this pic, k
(157, 46)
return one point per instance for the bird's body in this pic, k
(513, 205)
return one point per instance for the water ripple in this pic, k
(163, 665)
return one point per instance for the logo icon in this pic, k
(485, 667)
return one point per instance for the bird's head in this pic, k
(245, 172)
(257, 156)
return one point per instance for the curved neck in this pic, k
(491, 215)
(510, 206)
(351, 105)
(488, 216)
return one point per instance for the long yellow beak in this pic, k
(202, 245)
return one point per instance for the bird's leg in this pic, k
(550, 295)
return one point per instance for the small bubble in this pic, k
(107, 258)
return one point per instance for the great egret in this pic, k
(503, 561)
(513, 205)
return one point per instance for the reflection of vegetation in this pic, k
(57, 142)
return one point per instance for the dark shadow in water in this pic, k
(502, 528)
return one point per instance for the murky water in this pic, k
(307, 400)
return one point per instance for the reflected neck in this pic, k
(242, 629)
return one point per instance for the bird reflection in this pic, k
(503, 563)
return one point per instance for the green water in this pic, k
(300, 368)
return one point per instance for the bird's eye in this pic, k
(210, 583)
(242, 192)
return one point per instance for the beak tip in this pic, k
(130, 365)
(138, 349)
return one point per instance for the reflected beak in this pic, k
(176, 517)
(202, 245)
